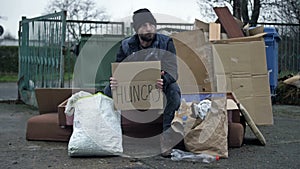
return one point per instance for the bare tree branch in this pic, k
(83, 10)
(288, 10)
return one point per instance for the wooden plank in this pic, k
(214, 31)
(228, 22)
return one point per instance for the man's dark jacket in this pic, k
(162, 49)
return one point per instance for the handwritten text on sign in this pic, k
(137, 95)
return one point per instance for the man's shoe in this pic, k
(166, 154)
(168, 140)
(166, 145)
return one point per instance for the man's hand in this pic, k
(113, 83)
(160, 82)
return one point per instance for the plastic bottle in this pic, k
(184, 119)
(178, 155)
(183, 102)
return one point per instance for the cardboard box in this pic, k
(137, 85)
(253, 91)
(63, 119)
(232, 58)
(240, 57)
(223, 82)
(261, 85)
(244, 62)
(249, 85)
(241, 85)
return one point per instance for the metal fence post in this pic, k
(63, 50)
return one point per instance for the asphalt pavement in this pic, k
(8, 91)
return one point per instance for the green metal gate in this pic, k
(47, 58)
(41, 61)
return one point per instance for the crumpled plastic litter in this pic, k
(202, 108)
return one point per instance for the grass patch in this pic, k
(14, 77)
(8, 77)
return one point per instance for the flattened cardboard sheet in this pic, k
(137, 85)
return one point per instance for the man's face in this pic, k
(147, 31)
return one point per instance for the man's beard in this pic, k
(148, 37)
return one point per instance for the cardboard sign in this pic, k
(137, 85)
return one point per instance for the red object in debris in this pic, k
(228, 22)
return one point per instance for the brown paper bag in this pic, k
(204, 136)
(177, 123)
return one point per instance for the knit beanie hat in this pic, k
(142, 16)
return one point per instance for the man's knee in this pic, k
(107, 91)
(175, 99)
(173, 96)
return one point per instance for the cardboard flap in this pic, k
(201, 25)
(231, 105)
(257, 30)
(193, 61)
(257, 37)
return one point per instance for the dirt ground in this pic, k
(282, 149)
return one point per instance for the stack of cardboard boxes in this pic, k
(223, 64)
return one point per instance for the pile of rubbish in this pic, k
(288, 90)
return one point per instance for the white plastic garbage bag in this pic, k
(96, 128)
(69, 111)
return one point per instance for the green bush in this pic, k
(8, 77)
(9, 59)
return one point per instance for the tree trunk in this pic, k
(245, 13)
(255, 13)
(237, 9)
